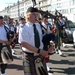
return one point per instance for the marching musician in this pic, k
(3, 41)
(21, 24)
(54, 30)
(62, 29)
(11, 27)
(48, 36)
(32, 45)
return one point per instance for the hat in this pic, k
(1, 17)
(22, 18)
(32, 9)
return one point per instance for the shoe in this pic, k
(63, 45)
(60, 52)
(3, 74)
(56, 51)
(13, 52)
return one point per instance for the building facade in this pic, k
(66, 7)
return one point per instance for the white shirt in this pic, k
(12, 28)
(46, 26)
(3, 33)
(26, 34)
(18, 27)
(62, 22)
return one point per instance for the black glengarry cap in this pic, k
(21, 18)
(32, 9)
(1, 17)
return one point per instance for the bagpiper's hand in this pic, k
(44, 53)
(11, 40)
(50, 49)
(7, 42)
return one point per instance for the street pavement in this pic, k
(65, 64)
(60, 65)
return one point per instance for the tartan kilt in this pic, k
(1, 59)
(29, 65)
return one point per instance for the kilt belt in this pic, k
(33, 54)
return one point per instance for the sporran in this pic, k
(40, 68)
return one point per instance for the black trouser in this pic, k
(3, 68)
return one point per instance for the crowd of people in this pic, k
(35, 36)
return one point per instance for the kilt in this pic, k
(29, 65)
(5, 60)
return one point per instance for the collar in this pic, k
(29, 23)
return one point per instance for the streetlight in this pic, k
(34, 2)
(18, 11)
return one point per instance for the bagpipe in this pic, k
(10, 34)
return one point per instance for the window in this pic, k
(59, 5)
(53, 12)
(54, 6)
(48, 1)
(21, 5)
(72, 2)
(58, 0)
(49, 8)
(72, 10)
(65, 11)
(65, 4)
(54, 0)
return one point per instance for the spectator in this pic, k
(62, 30)
(12, 28)
(48, 35)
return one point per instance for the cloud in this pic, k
(2, 6)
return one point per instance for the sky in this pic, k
(5, 3)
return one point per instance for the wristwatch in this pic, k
(38, 51)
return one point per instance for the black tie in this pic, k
(36, 37)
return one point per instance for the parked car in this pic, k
(69, 31)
